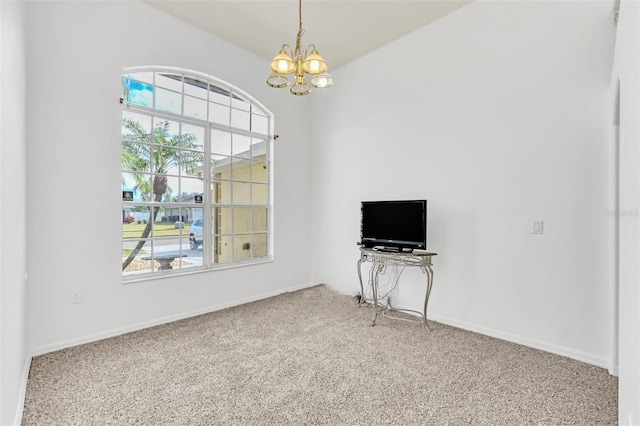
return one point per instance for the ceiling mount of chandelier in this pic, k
(307, 63)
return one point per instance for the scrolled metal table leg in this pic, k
(427, 269)
(375, 269)
(361, 286)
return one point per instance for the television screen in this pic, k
(394, 224)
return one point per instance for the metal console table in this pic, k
(379, 261)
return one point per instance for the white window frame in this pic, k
(208, 204)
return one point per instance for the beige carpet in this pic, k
(312, 358)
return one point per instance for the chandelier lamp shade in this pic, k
(307, 64)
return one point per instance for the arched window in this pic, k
(195, 174)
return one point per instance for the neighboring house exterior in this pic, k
(249, 186)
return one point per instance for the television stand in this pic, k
(379, 261)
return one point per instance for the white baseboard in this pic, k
(159, 321)
(536, 344)
(23, 391)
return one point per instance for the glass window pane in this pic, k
(195, 87)
(259, 124)
(255, 109)
(166, 187)
(194, 107)
(165, 261)
(242, 219)
(218, 114)
(194, 214)
(220, 167)
(135, 156)
(219, 96)
(240, 119)
(258, 149)
(135, 91)
(166, 132)
(192, 137)
(191, 257)
(240, 103)
(259, 219)
(136, 127)
(169, 101)
(260, 193)
(171, 215)
(222, 220)
(242, 247)
(191, 164)
(179, 262)
(241, 146)
(220, 142)
(260, 172)
(165, 231)
(169, 81)
(189, 188)
(260, 245)
(145, 77)
(241, 169)
(139, 183)
(241, 193)
(196, 232)
(172, 221)
(135, 228)
(218, 160)
(166, 160)
(222, 249)
(221, 192)
(137, 265)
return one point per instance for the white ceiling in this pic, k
(341, 30)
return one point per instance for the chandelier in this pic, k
(307, 63)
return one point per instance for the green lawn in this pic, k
(161, 229)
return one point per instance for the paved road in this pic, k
(170, 245)
(161, 245)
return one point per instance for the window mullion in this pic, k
(207, 214)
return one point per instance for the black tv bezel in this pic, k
(394, 243)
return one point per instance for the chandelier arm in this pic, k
(286, 46)
(311, 46)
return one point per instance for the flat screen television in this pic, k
(394, 225)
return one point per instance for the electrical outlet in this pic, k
(76, 297)
(538, 227)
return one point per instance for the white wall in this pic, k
(627, 72)
(14, 354)
(76, 54)
(498, 115)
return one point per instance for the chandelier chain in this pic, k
(300, 30)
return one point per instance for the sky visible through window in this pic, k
(139, 93)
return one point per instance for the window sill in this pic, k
(191, 271)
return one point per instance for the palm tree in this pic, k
(139, 155)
